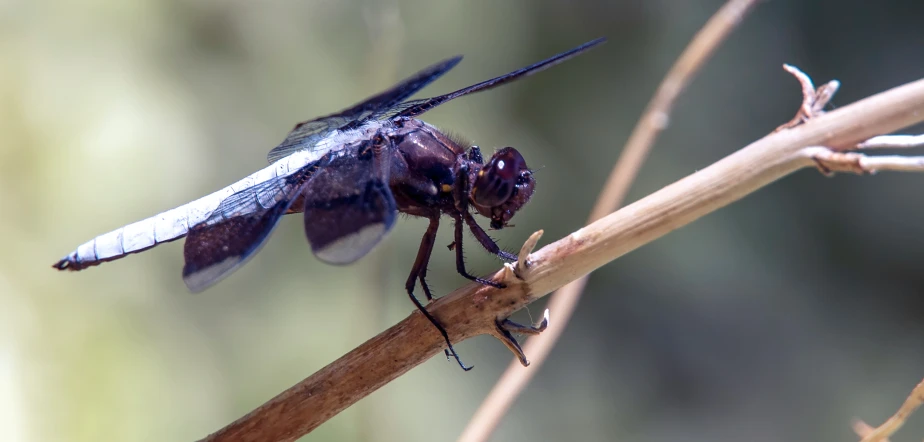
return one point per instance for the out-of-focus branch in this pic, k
(889, 427)
(476, 309)
(653, 121)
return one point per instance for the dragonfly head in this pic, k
(502, 186)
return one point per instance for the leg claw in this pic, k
(504, 328)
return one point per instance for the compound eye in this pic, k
(498, 179)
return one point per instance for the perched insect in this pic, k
(350, 173)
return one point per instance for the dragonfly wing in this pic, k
(411, 109)
(237, 229)
(307, 133)
(349, 207)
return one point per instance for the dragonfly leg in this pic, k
(486, 241)
(460, 197)
(419, 271)
(460, 256)
(451, 350)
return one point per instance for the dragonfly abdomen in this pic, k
(133, 238)
(175, 223)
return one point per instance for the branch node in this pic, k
(891, 425)
(864, 429)
(829, 161)
(813, 100)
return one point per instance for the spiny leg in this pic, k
(440, 328)
(460, 256)
(460, 198)
(419, 271)
(486, 240)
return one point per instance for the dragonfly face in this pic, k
(502, 187)
(350, 174)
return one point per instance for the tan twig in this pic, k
(893, 142)
(476, 309)
(863, 429)
(889, 427)
(654, 120)
(830, 161)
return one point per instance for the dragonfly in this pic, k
(349, 174)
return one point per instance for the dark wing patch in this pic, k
(349, 208)
(213, 252)
(307, 133)
(237, 229)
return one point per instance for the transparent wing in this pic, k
(260, 197)
(414, 108)
(307, 133)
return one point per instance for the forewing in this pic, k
(349, 209)
(237, 229)
(307, 133)
(414, 108)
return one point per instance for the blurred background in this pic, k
(781, 317)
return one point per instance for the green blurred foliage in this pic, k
(779, 318)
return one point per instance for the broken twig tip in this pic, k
(813, 100)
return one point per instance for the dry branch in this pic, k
(475, 309)
(652, 122)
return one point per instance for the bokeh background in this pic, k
(781, 317)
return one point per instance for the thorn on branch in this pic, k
(523, 258)
(813, 100)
